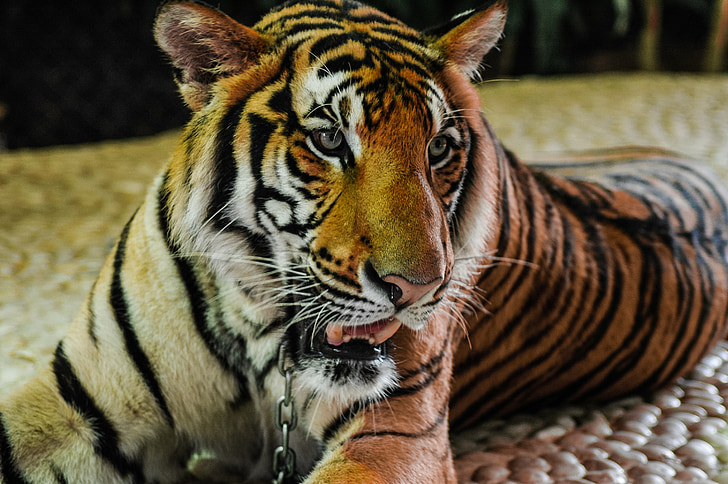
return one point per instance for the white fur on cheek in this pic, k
(280, 211)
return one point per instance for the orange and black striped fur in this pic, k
(339, 195)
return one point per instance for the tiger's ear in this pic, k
(204, 45)
(466, 39)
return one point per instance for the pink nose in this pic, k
(403, 292)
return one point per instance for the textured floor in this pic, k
(61, 209)
(677, 435)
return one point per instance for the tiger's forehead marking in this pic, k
(344, 100)
(354, 67)
(296, 20)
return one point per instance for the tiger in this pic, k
(341, 264)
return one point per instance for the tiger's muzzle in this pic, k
(368, 341)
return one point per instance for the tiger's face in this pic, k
(344, 154)
(387, 156)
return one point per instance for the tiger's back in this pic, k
(617, 285)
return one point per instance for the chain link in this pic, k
(284, 457)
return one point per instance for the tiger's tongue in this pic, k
(376, 333)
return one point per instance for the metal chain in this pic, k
(284, 458)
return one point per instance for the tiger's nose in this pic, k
(404, 293)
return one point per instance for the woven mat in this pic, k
(62, 208)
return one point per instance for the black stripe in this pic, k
(313, 26)
(431, 370)
(526, 206)
(718, 196)
(60, 478)
(106, 439)
(696, 200)
(607, 277)
(316, 219)
(575, 327)
(226, 174)
(330, 13)
(292, 227)
(267, 368)
(316, 12)
(591, 207)
(341, 279)
(379, 50)
(504, 207)
(92, 317)
(417, 387)
(505, 159)
(119, 304)
(295, 170)
(457, 184)
(547, 307)
(334, 293)
(374, 18)
(261, 131)
(521, 369)
(646, 320)
(686, 297)
(601, 328)
(197, 299)
(225, 167)
(402, 36)
(624, 180)
(579, 319)
(408, 435)
(281, 101)
(425, 368)
(599, 252)
(324, 110)
(710, 183)
(704, 292)
(601, 162)
(9, 471)
(347, 63)
(258, 243)
(345, 416)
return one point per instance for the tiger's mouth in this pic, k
(363, 342)
(375, 333)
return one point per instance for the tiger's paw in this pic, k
(340, 470)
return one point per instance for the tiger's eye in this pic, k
(328, 140)
(438, 148)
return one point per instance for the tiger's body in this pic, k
(338, 195)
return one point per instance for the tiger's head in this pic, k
(337, 172)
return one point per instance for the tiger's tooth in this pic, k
(335, 335)
(386, 332)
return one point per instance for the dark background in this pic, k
(74, 72)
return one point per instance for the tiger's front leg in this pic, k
(131, 390)
(403, 438)
(102, 411)
(54, 431)
(359, 454)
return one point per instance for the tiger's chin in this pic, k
(348, 364)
